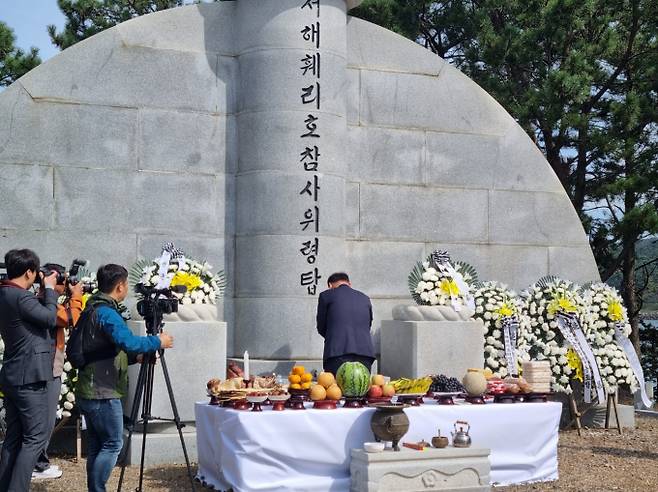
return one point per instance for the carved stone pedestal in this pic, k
(450, 469)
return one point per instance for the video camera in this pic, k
(70, 278)
(156, 302)
(3, 272)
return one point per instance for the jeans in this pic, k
(104, 439)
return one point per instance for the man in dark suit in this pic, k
(343, 320)
(26, 326)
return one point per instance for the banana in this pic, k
(418, 385)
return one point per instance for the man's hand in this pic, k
(50, 281)
(166, 340)
(76, 290)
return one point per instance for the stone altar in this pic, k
(449, 469)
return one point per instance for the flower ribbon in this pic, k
(573, 333)
(510, 330)
(634, 361)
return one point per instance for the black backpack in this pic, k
(88, 342)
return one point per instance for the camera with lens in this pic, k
(71, 277)
(156, 302)
(3, 272)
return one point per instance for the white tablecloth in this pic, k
(309, 450)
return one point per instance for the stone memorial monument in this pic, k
(283, 141)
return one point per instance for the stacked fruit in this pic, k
(444, 384)
(326, 388)
(299, 378)
(379, 388)
(412, 386)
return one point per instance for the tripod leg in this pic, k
(174, 409)
(146, 416)
(137, 400)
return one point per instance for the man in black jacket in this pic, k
(25, 326)
(343, 320)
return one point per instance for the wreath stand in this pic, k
(78, 433)
(576, 414)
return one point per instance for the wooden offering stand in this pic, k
(279, 406)
(241, 405)
(297, 399)
(444, 399)
(353, 402)
(475, 400)
(325, 404)
(411, 400)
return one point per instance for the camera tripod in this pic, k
(152, 312)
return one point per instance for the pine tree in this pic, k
(88, 17)
(14, 62)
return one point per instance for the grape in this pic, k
(444, 384)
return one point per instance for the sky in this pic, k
(28, 19)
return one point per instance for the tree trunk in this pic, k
(581, 172)
(629, 240)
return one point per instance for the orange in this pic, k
(299, 370)
(306, 377)
(296, 386)
(306, 385)
(295, 379)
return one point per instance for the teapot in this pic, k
(461, 438)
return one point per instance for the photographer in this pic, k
(68, 314)
(25, 326)
(102, 384)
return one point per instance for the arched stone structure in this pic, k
(186, 125)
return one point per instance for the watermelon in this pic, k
(353, 378)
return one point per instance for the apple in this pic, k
(388, 390)
(375, 392)
(378, 380)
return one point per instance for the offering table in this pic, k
(309, 450)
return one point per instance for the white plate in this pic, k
(256, 399)
(279, 397)
(448, 393)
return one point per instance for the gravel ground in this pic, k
(598, 461)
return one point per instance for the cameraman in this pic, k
(25, 326)
(102, 384)
(68, 314)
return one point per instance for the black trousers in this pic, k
(54, 387)
(28, 431)
(332, 364)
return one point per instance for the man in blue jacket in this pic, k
(344, 318)
(26, 325)
(102, 384)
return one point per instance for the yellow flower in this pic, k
(189, 280)
(449, 287)
(575, 363)
(615, 311)
(561, 304)
(505, 310)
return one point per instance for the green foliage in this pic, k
(88, 17)
(649, 344)
(14, 62)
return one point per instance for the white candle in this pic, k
(246, 364)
